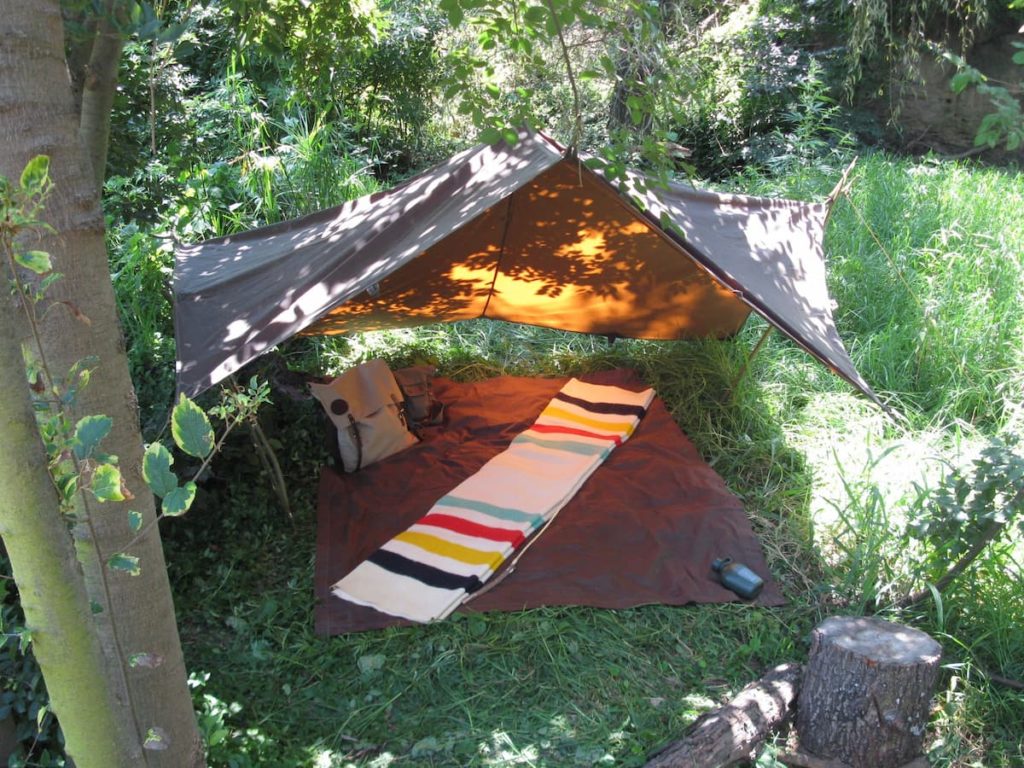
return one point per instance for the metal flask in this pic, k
(738, 577)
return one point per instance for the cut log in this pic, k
(866, 692)
(729, 734)
(804, 760)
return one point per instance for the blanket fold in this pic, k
(427, 571)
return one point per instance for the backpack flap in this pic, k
(364, 403)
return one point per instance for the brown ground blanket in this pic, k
(643, 529)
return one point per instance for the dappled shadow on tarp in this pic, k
(559, 254)
(520, 234)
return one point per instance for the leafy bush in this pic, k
(970, 510)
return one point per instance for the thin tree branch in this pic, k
(577, 129)
(989, 534)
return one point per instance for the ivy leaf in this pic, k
(127, 563)
(134, 521)
(106, 483)
(191, 429)
(36, 261)
(177, 502)
(89, 432)
(35, 173)
(156, 470)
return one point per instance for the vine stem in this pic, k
(28, 305)
(202, 467)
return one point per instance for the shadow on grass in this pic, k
(551, 687)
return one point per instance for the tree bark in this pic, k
(98, 87)
(866, 692)
(729, 734)
(49, 578)
(37, 116)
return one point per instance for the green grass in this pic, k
(826, 479)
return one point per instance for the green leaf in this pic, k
(35, 174)
(218, 736)
(127, 563)
(67, 487)
(425, 747)
(156, 470)
(106, 483)
(191, 429)
(489, 136)
(89, 432)
(1018, 57)
(134, 521)
(36, 261)
(177, 502)
(536, 15)
(453, 10)
(371, 663)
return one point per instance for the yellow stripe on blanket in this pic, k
(448, 549)
(619, 427)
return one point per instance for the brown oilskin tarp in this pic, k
(519, 233)
(643, 529)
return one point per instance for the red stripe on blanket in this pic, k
(573, 431)
(468, 528)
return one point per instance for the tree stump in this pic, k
(866, 691)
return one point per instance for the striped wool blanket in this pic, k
(425, 572)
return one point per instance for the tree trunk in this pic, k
(98, 87)
(634, 67)
(730, 733)
(866, 692)
(37, 116)
(49, 578)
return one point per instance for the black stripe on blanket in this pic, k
(429, 575)
(619, 409)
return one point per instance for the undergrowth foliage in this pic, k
(924, 260)
(594, 687)
(975, 507)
